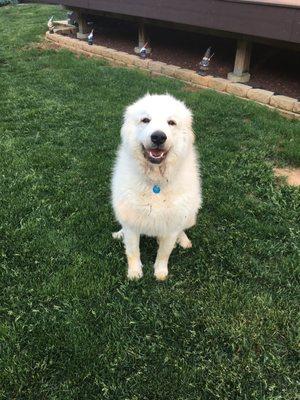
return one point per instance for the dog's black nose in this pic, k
(158, 137)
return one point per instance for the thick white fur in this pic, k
(140, 211)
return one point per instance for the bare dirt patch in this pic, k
(292, 175)
(191, 88)
(44, 45)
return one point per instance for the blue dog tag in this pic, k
(156, 189)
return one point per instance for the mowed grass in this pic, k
(224, 326)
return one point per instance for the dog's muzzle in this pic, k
(156, 152)
(155, 155)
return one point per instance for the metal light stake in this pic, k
(91, 37)
(143, 51)
(204, 63)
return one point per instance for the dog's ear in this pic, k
(127, 129)
(193, 135)
(189, 123)
(129, 113)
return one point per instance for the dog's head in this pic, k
(157, 128)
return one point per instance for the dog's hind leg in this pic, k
(183, 240)
(118, 235)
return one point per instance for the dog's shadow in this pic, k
(148, 249)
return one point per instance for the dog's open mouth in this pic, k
(155, 155)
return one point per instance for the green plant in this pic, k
(6, 2)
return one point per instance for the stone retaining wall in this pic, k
(286, 106)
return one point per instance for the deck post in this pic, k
(242, 62)
(142, 39)
(83, 28)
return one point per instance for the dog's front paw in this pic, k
(161, 272)
(135, 273)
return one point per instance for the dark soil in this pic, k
(271, 68)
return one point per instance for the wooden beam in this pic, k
(142, 35)
(83, 28)
(142, 39)
(242, 57)
(242, 62)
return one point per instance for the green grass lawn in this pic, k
(224, 326)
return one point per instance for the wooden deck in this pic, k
(285, 3)
(269, 19)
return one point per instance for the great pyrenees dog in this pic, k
(156, 188)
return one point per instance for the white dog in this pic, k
(156, 184)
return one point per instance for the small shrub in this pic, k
(7, 2)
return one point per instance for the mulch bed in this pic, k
(271, 68)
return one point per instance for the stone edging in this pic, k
(286, 106)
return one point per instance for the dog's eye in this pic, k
(145, 120)
(171, 122)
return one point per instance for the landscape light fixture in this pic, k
(204, 63)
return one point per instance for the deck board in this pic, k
(278, 3)
(268, 19)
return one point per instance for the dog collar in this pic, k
(156, 189)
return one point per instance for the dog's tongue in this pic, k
(156, 152)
